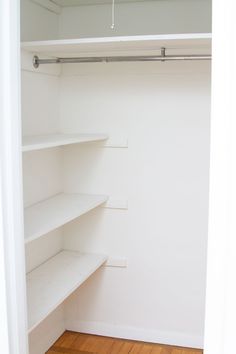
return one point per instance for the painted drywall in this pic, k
(42, 170)
(42, 178)
(37, 23)
(164, 110)
(147, 17)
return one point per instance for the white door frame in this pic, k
(221, 279)
(13, 326)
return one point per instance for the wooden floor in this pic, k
(78, 343)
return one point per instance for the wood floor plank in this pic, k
(166, 350)
(58, 350)
(136, 348)
(79, 343)
(88, 344)
(146, 349)
(126, 347)
(156, 349)
(116, 346)
(66, 339)
(91, 342)
(177, 351)
(103, 345)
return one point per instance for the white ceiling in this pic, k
(88, 2)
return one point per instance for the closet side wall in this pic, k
(41, 169)
(164, 110)
(147, 17)
(42, 172)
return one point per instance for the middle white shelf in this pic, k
(56, 211)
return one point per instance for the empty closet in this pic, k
(115, 155)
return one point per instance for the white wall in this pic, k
(37, 23)
(42, 178)
(42, 170)
(147, 17)
(164, 110)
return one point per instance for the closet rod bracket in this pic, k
(35, 61)
(163, 53)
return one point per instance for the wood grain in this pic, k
(80, 343)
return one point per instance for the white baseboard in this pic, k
(133, 333)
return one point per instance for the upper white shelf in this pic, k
(53, 281)
(38, 142)
(56, 211)
(120, 45)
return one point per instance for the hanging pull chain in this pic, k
(113, 15)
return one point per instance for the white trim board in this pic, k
(221, 261)
(66, 3)
(133, 333)
(13, 320)
(49, 5)
(56, 6)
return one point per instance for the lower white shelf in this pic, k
(53, 281)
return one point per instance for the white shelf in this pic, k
(53, 281)
(119, 45)
(54, 212)
(38, 142)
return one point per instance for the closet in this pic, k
(115, 151)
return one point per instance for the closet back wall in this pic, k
(136, 18)
(146, 17)
(163, 109)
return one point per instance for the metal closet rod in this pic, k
(163, 57)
